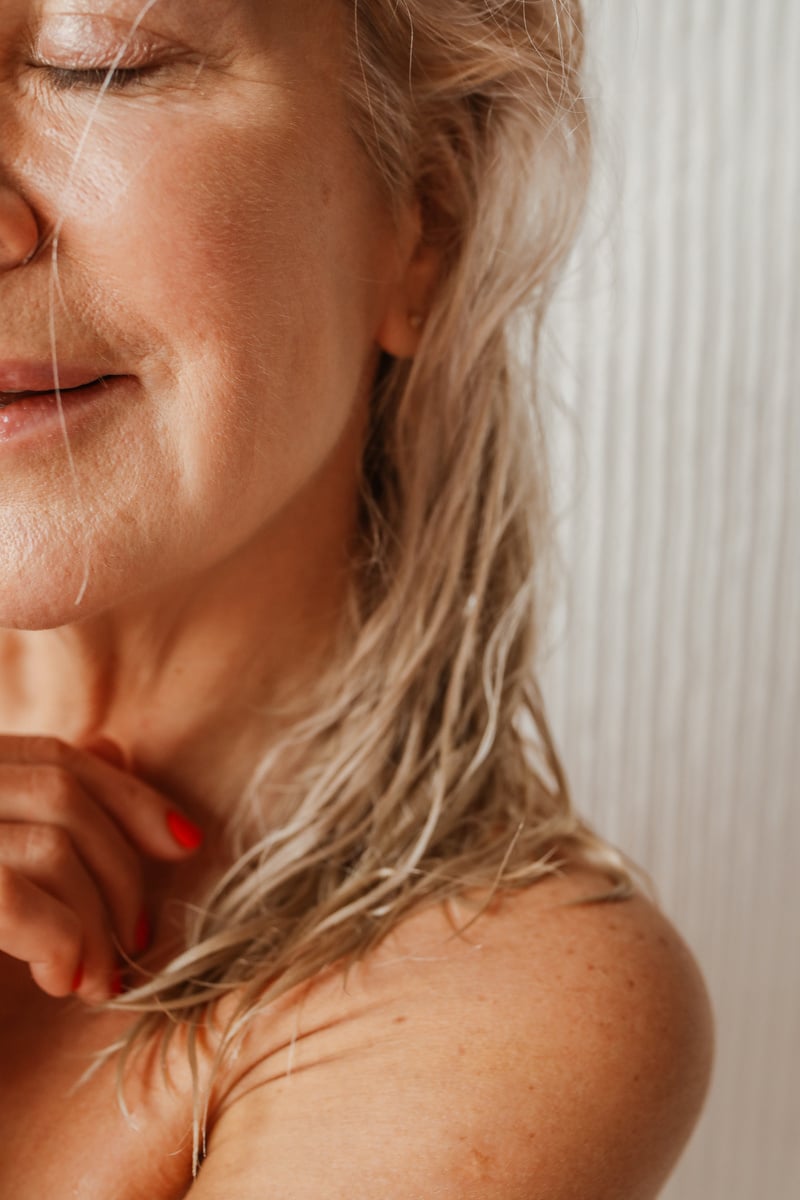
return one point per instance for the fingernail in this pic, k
(109, 750)
(186, 834)
(78, 980)
(116, 983)
(143, 932)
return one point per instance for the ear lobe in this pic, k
(409, 298)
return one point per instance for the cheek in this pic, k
(236, 271)
(210, 238)
(232, 253)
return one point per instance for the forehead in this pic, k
(247, 17)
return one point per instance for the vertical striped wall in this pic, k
(673, 677)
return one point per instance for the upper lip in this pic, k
(22, 376)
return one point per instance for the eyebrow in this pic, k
(201, 13)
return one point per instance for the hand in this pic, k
(73, 830)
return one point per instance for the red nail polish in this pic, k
(186, 833)
(78, 980)
(143, 933)
(117, 987)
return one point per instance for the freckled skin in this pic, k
(221, 238)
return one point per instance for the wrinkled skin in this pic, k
(223, 240)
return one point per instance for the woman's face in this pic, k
(223, 244)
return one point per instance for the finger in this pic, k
(111, 751)
(44, 856)
(40, 930)
(157, 827)
(52, 796)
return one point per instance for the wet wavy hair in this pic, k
(422, 767)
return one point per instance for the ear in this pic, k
(409, 295)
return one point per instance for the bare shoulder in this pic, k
(546, 1053)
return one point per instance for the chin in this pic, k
(44, 596)
(48, 613)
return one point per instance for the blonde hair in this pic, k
(422, 766)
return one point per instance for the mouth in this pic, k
(8, 398)
(32, 415)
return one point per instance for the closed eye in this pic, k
(112, 79)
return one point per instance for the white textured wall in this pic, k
(674, 678)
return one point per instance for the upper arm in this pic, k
(568, 1059)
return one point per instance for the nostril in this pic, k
(19, 231)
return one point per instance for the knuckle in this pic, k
(48, 845)
(40, 748)
(58, 788)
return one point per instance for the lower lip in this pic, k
(37, 417)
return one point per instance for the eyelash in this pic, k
(94, 78)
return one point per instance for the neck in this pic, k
(182, 679)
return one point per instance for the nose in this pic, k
(19, 232)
